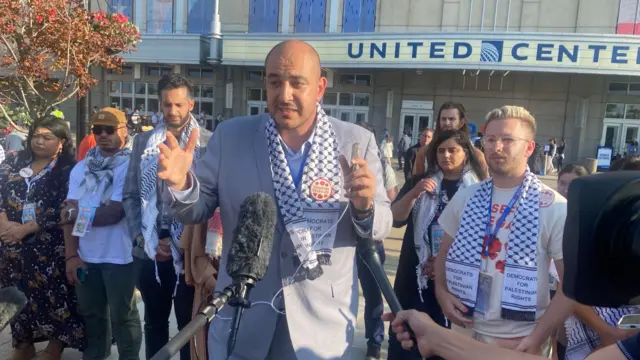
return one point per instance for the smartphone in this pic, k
(355, 153)
(81, 273)
(629, 322)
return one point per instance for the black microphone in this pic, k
(368, 252)
(12, 301)
(248, 258)
(247, 263)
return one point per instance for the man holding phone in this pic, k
(300, 156)
(98, 247)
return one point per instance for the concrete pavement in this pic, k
(392, 246)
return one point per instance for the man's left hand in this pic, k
(360, 184)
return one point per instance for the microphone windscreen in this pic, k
(12, 301)
(253, 237)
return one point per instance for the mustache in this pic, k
(287, 106)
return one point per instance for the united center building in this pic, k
(575, 64)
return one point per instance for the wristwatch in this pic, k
(365, 213)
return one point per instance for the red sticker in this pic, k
(546, 198)
(321, 189)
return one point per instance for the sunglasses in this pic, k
(99, 129)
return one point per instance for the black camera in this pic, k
(601, 242)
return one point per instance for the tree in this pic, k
(47, 48)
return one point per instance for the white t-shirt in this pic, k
(106, 244)
(553, 211)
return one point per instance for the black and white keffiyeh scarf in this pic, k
(464, 258)
(424, 211)
(583, 340)
(149, 195)
(99, 170)
(322, 164)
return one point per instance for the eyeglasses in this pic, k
(98, 129)
(491, 141)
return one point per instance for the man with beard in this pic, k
(99, 261)
(411, 155)
(156, 233)
(502, 291)
(451, 116)
(298, 155)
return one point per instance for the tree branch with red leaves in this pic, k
(47, 48)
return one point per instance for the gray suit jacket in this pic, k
(320, 314)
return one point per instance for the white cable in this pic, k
(297, 270)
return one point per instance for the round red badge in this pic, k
(546, 198)
(321, 189)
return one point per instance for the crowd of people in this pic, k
(482, 247)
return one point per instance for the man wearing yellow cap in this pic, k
(98, 247)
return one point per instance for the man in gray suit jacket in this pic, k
(298, 154)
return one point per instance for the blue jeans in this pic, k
(373, 305)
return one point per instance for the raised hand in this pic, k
(174, 162)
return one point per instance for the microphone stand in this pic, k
(368, 252)
(199, 321)
(240, 301)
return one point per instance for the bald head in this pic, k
(294, 84)
(288, 47)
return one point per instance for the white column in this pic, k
(180, 20)
(333, 16)
(139, 14)
(285, 16)
(215, 20)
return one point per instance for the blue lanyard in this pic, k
(298, 178)
(507, 210)
(42, 173)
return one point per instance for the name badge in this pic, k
(84, 220)
(437, 233)
(322, 226)
(28, 212)
(484, 295)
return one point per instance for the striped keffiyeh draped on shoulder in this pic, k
(99, 170)
(149, 194)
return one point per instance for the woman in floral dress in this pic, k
(33, 185)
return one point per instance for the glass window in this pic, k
(196, 107)
(345, 116)
(633, 112)
(199, 16)
(207, 92)
(127, 103)
(255, 94)
(196, 91)
(634, 89)
(152, 88)
(254, 75)
(330, 99)
(254, 110)
(141, 88)
(618, 88)
(127, 88)
(127, 69)
(264, 15)
(115, 102)
(207, 107)
(206, 73)
(152, 105)
(165, 71)
(614, 111)
(191, 72)
(361, 99)
(160, 16)
(347, 79)
(346, 99)
(124, 7)
(360, 117)
(363, 80)
(114, 87)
